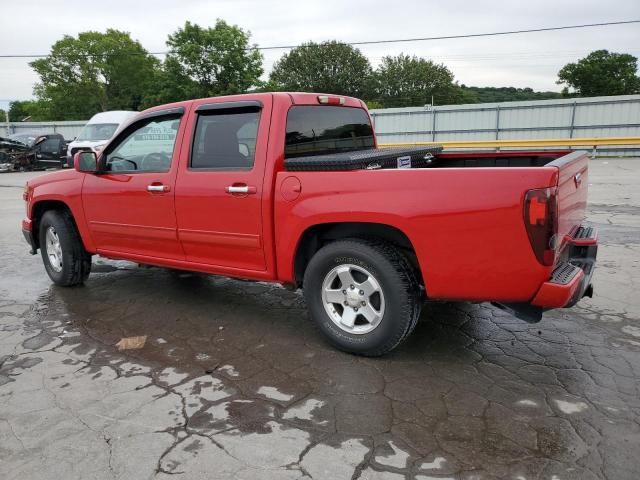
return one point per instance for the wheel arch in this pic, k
(318, 235)
(40, 208)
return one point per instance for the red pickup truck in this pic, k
(268, 187)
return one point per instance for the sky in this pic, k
(525, 60)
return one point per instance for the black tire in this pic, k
(398, 284)
(76, 261)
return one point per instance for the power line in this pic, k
(472, 35)
(375, 42)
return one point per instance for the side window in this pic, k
(147, 148)
(225, 141)
(50, 145)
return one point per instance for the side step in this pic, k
(564, 273)
(584, 235)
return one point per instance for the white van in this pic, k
(98, 131)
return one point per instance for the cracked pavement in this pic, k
(149, 374)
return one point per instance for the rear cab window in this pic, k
(321, 130)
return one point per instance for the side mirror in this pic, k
(86, 162)
(39, 140)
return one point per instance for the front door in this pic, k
(219, 193)
(130, 206)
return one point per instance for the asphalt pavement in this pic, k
(145, 373)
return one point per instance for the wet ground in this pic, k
(143, 373)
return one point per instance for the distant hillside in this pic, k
(504, 94)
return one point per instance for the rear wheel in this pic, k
(66, 261)
(363, 295)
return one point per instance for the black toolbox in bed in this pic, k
(372, 159)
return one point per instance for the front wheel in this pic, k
(66, 261)
(363, 295)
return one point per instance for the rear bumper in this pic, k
(571, 279)
(569, 282)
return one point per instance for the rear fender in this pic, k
(340, 226)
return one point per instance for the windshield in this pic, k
(97, 131)
(26, 138)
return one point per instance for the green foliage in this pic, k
(19, 110)
(505, 94)
(372, 104)
(205, 62)
(404, 81)
(171, 84)
(93, 72)
(328, 67)
(601, 73)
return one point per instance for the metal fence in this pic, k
(68, 130)
(592, 117)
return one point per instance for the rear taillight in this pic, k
(541, 222)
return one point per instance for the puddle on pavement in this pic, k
(236, 372)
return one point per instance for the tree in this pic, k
(601, 73)
(31, 109)
(171, 84)
(18, 111)
(93, 72)
(205, 62)
(405, 81)
(328, 67)
(506, 94)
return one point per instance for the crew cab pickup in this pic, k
(291, 188)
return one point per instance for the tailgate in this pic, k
(573, 181)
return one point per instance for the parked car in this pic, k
(290, 188)
(98, 131)
(32, 151)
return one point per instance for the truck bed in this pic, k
(419, 157)
(467, 225)
(498, 159)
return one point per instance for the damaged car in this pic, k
(29, 151)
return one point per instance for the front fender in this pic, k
(66, 191)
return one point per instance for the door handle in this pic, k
(241, 189)
(158, 188)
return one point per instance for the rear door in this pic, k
(130, 207)
(219, 190)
